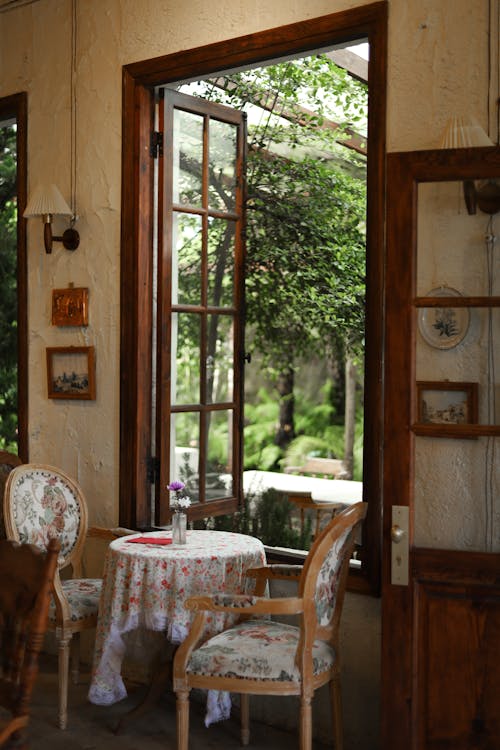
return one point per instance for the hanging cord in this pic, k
(73, 110)
(489, 474)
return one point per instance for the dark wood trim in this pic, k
(16, 106)
(135, 301)
(312, 34)
(368, 22)
(456, 566)
(457, 301)
(398, 450)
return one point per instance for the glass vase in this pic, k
(179, 524)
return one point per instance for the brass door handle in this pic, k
(397, 534)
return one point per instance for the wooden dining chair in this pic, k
(41, 503)
(263, 656)
(8, 461)
(25, 593)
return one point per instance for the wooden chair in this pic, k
(262, 656)
(26, 576)
(8, 461)
(40, 503)
(324, 468)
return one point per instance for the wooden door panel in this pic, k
(457, 635)
(441, 633)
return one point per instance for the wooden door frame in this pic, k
(16, 106)
(401, 604)
(139, 80)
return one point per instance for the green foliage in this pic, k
(304, 446)
(306, 197)
(267, 517)
(273, 522)
(8, 290)
(317, 435)
(260, 428)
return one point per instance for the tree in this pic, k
(8, 288)
(305, 274)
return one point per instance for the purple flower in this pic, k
(175, 486)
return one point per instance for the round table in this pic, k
(146, 586)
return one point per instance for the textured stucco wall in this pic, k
(438, 66)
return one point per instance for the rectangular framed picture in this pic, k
(70, 307)
(71, 372)
(446, 404)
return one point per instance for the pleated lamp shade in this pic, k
(46, 199)
(464, 132)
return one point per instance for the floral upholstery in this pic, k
(257, 649)
(328, 579)
(234, 600)
(44, 506)
(82, 595)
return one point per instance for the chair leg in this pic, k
(64, 643)
(305, 723)
(75, 658)
(182, 719)
(245, 718)
(336, 701)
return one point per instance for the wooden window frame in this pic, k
(138, 119)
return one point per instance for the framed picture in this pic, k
(70, 307)
(71, 372)
(445, 405)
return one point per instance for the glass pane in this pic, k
(221, 262)
(219, 451)
(184, 451)
(8, 300)
(457, 359)
(464, 518)
(186, 259)
(187, 158)
(185, 361)
(222, 166)
(454, 258)
(220, 359)
(451, 243)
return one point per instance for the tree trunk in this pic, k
(350, 417)
(286, 428)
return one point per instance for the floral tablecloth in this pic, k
(145, 586)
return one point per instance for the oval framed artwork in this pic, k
(443, 327)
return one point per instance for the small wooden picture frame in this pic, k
(445, 405)
(71, 372)
(70, 307)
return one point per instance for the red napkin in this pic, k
(151, 540)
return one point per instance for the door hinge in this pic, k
(156, 145)
(153, 469)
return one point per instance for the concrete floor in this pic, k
(92, 727)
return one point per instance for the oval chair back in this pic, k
(41, 503)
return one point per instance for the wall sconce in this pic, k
(46, 201)
(466, 132)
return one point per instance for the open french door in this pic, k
(200, 282)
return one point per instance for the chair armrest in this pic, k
(107, 535)
(245, 604)
(277, 571)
